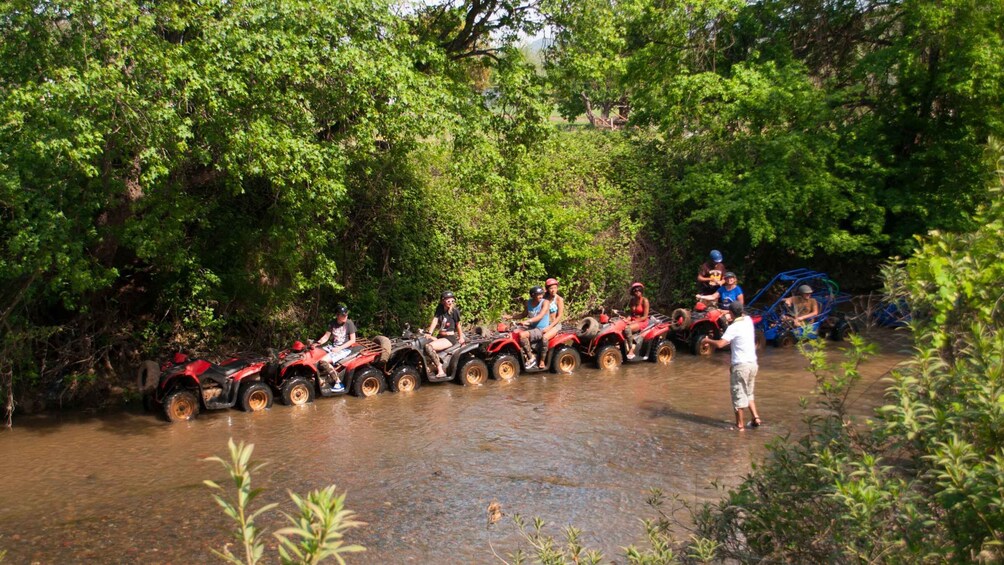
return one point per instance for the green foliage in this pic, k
(319, 527)
(315, 534)
(660, 548)
(923, 481)
(246, 533)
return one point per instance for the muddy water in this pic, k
(419, 468)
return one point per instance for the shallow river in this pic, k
(419, 468)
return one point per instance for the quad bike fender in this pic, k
(297, 367)
(251, 370)
(656, 331)
(197, 367)
(500, 345)
(561, 339)
(360, 360)
(463, 353)
(172, 383)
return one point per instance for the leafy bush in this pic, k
(314, 535)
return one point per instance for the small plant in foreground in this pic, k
(316, 533)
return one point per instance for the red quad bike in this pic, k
(408, 361)
(294, 375)
(181, 386)
(690, 327)
(506, 359)
(605, 342)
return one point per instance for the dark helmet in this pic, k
(805, 289)
(446, 294)
(341, 309)
(298, 346)
(716, 256)
(535, 290)
(635, 285)
(736, 308)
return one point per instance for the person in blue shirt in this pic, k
(538, 317)
(726, 294)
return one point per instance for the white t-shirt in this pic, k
(740, 335)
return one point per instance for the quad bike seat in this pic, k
(221, 373)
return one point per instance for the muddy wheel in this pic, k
(787, 339)
(700, 347)
(566, 361)
(368, 382)
(679, 319)
(589, 327)
(405, 379)
(384, 344)
(609, 357)
(505, 367)
(255, 397)
(297, 392)
(474, 371)
(664, 353)
(147, 376)
(759, 339)
(842, 331)
(181, 406)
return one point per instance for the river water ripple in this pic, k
(419, 468)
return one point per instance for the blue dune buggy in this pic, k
(775, 316)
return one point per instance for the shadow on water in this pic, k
(662, 410)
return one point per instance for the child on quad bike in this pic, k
(447, 319)
(538, 313)
(342, 333)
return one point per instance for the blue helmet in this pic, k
(716, 256)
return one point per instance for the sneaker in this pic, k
(630, 356)
(531, 363)
(338, 387)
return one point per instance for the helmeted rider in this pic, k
(804, 306)
(537, 312)
(726, 294)
(709, 274)
(447, 319)
(342, 333)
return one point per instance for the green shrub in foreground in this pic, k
(314, 535)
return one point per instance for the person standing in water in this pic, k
(742, 375)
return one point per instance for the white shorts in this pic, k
(336, 356)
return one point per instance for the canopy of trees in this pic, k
(192, 175)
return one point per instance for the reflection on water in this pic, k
(420, 468)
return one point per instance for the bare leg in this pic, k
(739, 420)
(753, 412)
